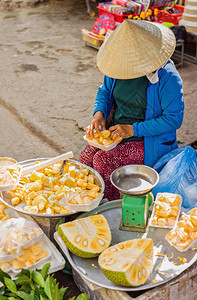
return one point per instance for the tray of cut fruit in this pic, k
(103, 141)
(183, 236)
(166, 210)
(22, 245)
(54, 191)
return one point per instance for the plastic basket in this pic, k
(167, 17)
(117, 17)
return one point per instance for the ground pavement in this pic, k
(49, 80)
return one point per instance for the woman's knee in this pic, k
(100, 159)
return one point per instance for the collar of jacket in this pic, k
(153, 77)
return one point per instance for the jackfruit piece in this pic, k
(5, 267)
(183, 245)
(154, 220)
(193, 216)
(91, 178)
(15, 201)
(7, 217)
(34, 186)
(46, 182)
(42, 254)
(105, 133)
(128, 263)
(182, 234)
(68, 181)
(64, 211)
(83, 238)
(39, 199)
(36, 248)
(72, 171)
(171, 221)
(161, 222)
(35, 176)
(17, 265)
(85, 171)
(174, 210)
(30, 256)
(91, 186)
(24, 179)
(81, 183)
(32, 209)
(193, 235)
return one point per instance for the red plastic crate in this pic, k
(117, 17)
(167, 17)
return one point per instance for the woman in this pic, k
(141, 98)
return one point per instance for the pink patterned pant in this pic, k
(105, 162)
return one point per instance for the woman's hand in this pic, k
(98, 121)
(120, 132)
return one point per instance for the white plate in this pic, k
(99, 146)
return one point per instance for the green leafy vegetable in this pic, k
(45, 270)
(38, 278)
(33, 285)
(11, 285)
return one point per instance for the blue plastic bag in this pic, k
(178, 174)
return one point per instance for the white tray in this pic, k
(55, 258)
(89, 268)
(153, 212)
(99, 146)
(193, 244)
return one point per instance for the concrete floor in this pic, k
(49, 80)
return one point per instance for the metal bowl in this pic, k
(134, 180)
(6, 199)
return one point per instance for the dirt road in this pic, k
(49, 79)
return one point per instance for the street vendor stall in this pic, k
(168, 261)
(127, 222)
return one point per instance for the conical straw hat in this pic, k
(135, 48)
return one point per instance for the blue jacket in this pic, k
(164, 112)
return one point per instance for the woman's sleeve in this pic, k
(103, 98)
(172, 105)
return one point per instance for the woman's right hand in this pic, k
(98, 121)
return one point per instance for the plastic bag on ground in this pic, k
(178, 174)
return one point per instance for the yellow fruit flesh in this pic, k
(86, 237)
(128, 263)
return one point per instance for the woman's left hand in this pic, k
(120, 132)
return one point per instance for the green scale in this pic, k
(135, 183)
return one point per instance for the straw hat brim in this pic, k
(135, 48)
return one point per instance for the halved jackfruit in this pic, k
(86, 237)
(128, 263)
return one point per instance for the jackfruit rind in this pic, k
(128, 263)
(86, 237)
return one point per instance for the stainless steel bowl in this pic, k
(134, 180)
(6, 199)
